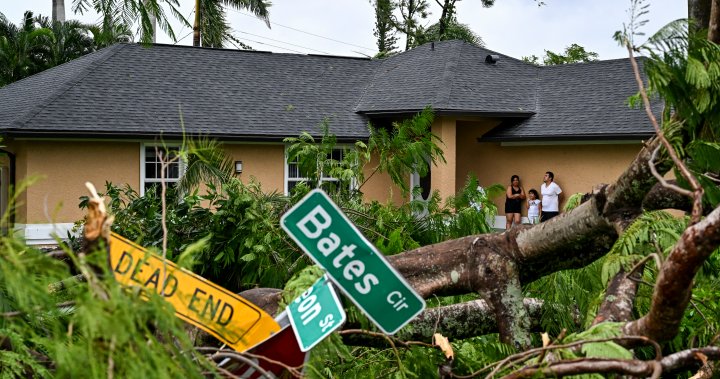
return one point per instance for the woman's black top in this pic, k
(513, 205)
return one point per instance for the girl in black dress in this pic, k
(514, 196)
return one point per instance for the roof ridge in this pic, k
(450, 73)
(371, 82)
(599, 61)
(24, 119)
(242, 51)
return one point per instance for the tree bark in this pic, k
(674, 284)
(619, 298)
(196, 25)
(636, 368)
(714, 22)
(58, 10)
(496, 265)
(699, 12)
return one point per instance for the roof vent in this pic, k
(492, 58)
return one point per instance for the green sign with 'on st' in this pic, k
(326, 235)
(315, 314)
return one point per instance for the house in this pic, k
(98, 118)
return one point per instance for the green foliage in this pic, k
(572, 54)
(412, 12)
(300, 282)
(571, 297)
(683, 70)
(454, 31)
(231, 233)
(409, 147)
(205, 162)
(383, 31)
(146, 15)
(23, 48)
(318, 160)
(246, 249)
(92, 329)
(606, 349)
(573, 201)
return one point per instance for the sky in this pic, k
(345, 27)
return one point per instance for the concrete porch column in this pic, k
(443, 177)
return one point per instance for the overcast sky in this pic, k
(345, 27)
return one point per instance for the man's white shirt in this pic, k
(550, 197)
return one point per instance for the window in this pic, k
(329, 184)
(151, 169)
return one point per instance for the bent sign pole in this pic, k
(225, 315)
(325, 234)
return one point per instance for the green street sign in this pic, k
(326, 235)
(315, 314)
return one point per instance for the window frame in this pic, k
(323, 178)
(182, 165)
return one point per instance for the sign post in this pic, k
(326, 235)
(227, 316)
(315, 314)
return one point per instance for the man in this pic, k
(550, 197)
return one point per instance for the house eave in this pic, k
(568, 137)
(448, 112)
(17, 134)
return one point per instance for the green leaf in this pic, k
(606, 350)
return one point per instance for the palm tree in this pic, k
(123, 14)
(22, 48)
(70, 40)
(58, 10)
(211, 27)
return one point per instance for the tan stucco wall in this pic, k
(20, 152)
(577, 168)
(444, 177)
(264, 162)
(67, 165)
(63, 168)
(379, 186)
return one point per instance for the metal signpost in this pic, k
(325, 234)
(227, 316)
(315, 314)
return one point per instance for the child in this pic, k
(534, 207)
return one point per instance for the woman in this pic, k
(513, 199)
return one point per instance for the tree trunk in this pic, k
(674, 283)
(196, 25)
(58, 10)
(714, 22)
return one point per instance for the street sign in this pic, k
(326, 235)
(315, 314)
(227, 316)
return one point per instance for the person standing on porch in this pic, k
(514, 196)
(550, 192)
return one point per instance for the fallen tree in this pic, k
(498, 266)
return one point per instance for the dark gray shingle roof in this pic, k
(452, 76)
(581, 101)
(130, 90)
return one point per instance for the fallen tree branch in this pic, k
(674, 283)
(667, 365)
(525, 355)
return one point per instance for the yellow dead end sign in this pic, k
(227, 316)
